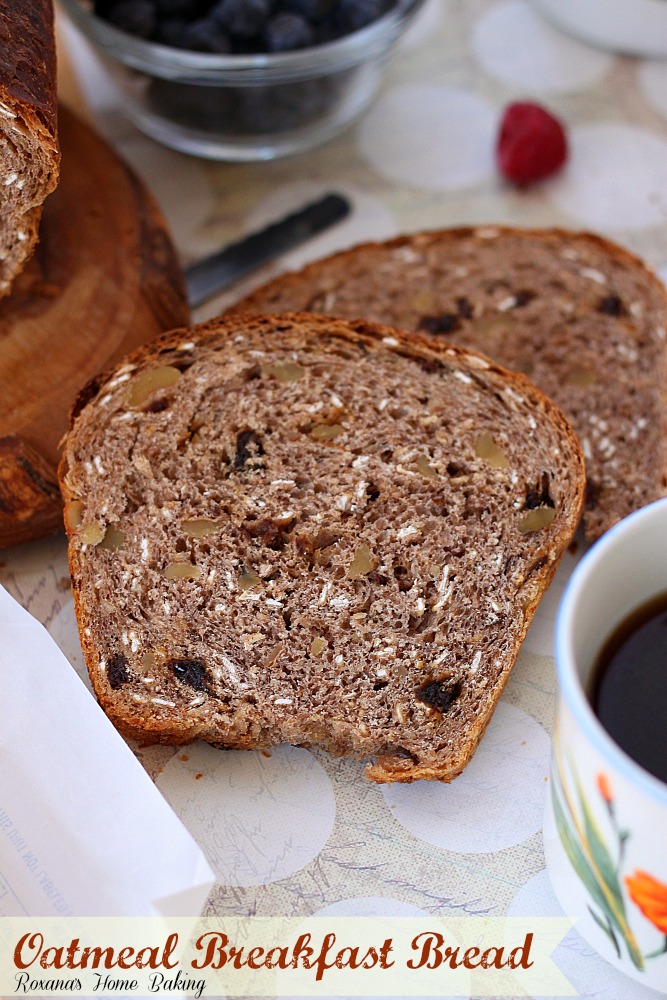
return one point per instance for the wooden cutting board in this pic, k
(104, 279)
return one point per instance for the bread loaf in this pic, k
(314, 531)
(582, 317)
(105, 279)
(29, 155)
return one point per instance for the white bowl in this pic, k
(634, 27)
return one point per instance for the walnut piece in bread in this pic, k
(29, 154)
(585, 319)
(308, 530)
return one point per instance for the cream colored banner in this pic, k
(275, 957)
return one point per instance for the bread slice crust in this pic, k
(308, 530)
(29, 152)
(583, 317)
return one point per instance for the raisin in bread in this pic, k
(582, 317)
(29, 155)
(314, 531)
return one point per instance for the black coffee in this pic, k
(629, 687)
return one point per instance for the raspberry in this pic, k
(531, 143)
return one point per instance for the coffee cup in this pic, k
(605, 828)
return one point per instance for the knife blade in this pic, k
(214, 274)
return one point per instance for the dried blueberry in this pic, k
(523, 297)
(464, 307)
(191, 672)
(248, 449)
(157, 405)
(267, 532)
(117, 673)
(443, 323)
(593, 491)
(428, 365)
(440, 694)
(611, 305)
(539, 496)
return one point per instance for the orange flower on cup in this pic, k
(604, 788)
(650, 896)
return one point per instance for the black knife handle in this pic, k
(214, 274)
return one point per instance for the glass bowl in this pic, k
(245, 107)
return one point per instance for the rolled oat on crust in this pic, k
(584, 318)
(308, 530)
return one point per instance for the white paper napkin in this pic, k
(83, 829)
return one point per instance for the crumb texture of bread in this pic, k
(29, 154)
(306, 530)
(585, 319)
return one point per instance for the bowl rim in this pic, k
(166, 61)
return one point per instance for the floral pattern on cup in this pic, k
(599, 865)
(650, 895)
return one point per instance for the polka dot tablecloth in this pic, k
(296, 832)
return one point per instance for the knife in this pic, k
(212, 275)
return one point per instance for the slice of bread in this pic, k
(582, 317)
(29, 154)
(306, 530)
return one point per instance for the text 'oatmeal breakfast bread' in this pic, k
(582, 317)
(29, 154)
(306, 530)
